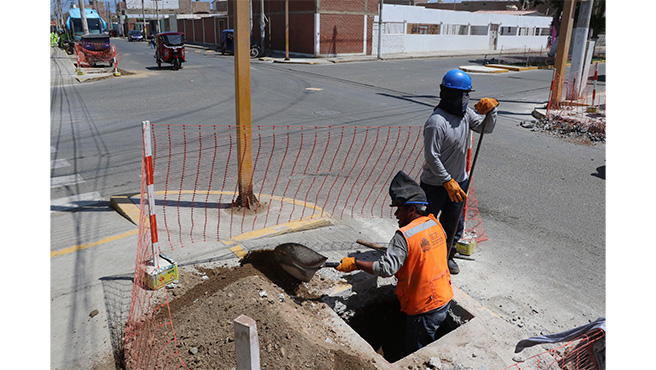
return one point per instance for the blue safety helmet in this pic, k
(457, 79)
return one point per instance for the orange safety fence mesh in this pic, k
(582, 106)
(149, 319)
(298, 172)
(578, 354)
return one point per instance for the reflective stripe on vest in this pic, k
(424, 281)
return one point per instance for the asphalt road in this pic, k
(542, 198)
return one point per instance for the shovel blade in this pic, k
(298, 260)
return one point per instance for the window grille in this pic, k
(423, 29)
(525, 31)
(455, 29)
(509, 31)
(478, 30)
(393, 28)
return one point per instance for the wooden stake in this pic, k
(247, 347)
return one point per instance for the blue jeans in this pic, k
(420, 329)
(438, 201)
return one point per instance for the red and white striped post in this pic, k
(594, 88)
(150, 188)
(79, 66)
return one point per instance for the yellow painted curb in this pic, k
(124, 205)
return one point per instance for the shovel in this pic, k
(300, 261)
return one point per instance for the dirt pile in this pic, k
(292, 329)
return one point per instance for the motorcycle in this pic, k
(169, 48)
(228, 44)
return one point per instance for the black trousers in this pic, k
(448, 211)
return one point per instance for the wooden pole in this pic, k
(564, 36)
(286, 29)
(242, 62)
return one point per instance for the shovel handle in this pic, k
(371, 245)
(331, 264)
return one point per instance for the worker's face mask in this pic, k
(453, 101)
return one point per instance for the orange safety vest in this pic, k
(424, 281)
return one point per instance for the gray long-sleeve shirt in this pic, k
(446, 139)
(393, 259)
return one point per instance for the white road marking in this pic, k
(59, 181)
(59, 163)
(79, 200)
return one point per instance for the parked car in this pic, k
(135, 35)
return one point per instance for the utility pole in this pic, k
(242, 62)
(143, 15)
(262, 25)
(562, 51)
(83, 18)
(380, 29)
(576, 76)
(286, 29)
(157, 12)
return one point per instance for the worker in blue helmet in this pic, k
(446, 139)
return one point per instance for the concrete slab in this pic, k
(482, 69)
(511, 68)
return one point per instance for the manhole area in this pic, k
(382, 324)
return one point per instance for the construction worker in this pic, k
(54, 39)
(416, 255)
(446, 139)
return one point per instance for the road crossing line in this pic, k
(59, 163)
(75, 201)
(60, 181)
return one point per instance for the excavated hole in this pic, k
(381, 323)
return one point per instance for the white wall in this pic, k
(150, 4)
(402, 42)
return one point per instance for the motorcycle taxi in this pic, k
(169, 48)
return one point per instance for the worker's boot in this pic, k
(453, 266)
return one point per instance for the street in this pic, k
(541, 198)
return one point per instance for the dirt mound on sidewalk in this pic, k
(293, 332)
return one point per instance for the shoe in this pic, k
(453, 267)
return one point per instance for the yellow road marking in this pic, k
(80, 247)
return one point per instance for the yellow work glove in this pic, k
(347, 264)
(485, 105)
(456, 194)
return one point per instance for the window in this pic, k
(455, 29)
(423, 29)
(509, 31)
(392, 28)
(525, 31)
(478, 30)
